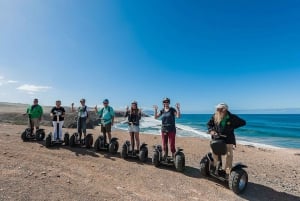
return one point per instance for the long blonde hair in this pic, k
(218, 117)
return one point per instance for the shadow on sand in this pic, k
(77, 150)
(258, 192)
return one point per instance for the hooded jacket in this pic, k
(232, 123)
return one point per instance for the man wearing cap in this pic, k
(83, 114)
(35, 113)
(106, 114)
(224, 123)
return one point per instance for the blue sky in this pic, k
(198, 53)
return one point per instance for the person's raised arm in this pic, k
(178, 113)
(96, 109)
(156, 115)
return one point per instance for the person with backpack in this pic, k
(82, 117)
(35, 113)
(134, 116)
(168, 128)
(106, 115)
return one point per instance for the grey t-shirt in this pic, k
(168, 120)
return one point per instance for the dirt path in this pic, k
(29, 171)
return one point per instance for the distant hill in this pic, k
(13, 113)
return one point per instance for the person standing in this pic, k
(81, 118)
(106, 115)
(134, 116)
(58, 114)
(168, 128)
(35, 113)
(223, 123)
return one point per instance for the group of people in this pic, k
(222, 122)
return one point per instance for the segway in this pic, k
(111, 147)
(237, 179)
(57, 141)
(127, 152)
(39, 134)
(100, 144)
(76, 141)
(158, 159)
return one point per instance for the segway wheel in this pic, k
(97, 144)
(67, 139)
(180, 162)
(113, 147)
(238, 181)
(72, 141)
(23, 136)
(204, 163)
(143, 154)
(124, 154)
(40, 135)
(48, 141)
(155, 159)
(89, 141)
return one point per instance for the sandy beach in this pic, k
(30, 171)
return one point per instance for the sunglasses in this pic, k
(166, 102)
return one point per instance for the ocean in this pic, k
(261, 130)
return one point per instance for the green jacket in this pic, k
(35, 111)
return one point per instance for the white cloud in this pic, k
(31, 89)
(12, 81)
(0, 83)
(1, 77)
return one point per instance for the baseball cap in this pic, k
(222, 105)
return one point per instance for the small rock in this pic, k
(68, 181)
(43, 173)
(58, 176)
(4, 153)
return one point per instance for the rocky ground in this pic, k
(30, 171)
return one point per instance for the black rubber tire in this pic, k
(124, 154)
(97, 144)
(180, 162)
(48, 141)
(113, 147)
(204, 167)
(40, 135)
(72, 141)
(143, 155)
(23, 136)
(155, 159)
(89, 141)
(67, 139)
(238, 180)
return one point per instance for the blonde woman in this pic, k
(134, 116)
(224, 123)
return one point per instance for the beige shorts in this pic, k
(35, 122)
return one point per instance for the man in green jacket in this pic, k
(35, 113)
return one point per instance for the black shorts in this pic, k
(106, 128)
